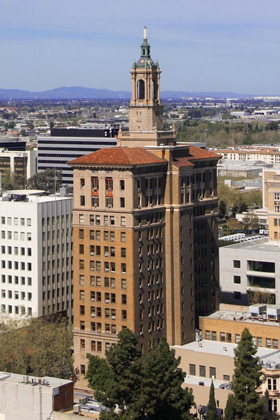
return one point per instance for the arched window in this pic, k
(141, 89)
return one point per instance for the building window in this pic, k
(109, 184)
(123, 236)
(259, 341)
(192, 369)
(237, 295)
(212, 372)
(122, 202)
(236, 263)
(222, 337)
(237, 279)
(226, 377)
(275, 343)
(202, 371)
(82, 344)
(82, 325)
(214, 335)
(237, 338)
(207, 335)
(81, 233)
(122, 185)
(83, 369)
(82, 200)
(123, 283)
(81, 219)
(272, 405)
(268, 343)
(229, 337)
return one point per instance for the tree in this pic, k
(162, 385)
(247, 377)
(139, 387)
(212, 407)
(11, 181)
(229, 410)
(222, 209)
(36, 346)
(48, 180)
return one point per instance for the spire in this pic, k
(145, 47)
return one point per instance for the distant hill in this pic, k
(77, 92)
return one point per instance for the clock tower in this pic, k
(145, 110)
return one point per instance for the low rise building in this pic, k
(35, 253)
(23, 164)
(31, 398)
(204, 361)
(226, 325)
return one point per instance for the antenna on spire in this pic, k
(145, 33)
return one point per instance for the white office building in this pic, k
(250, 267)
(35, 253)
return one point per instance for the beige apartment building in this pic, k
(145, 231)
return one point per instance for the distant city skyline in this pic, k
(211, 45)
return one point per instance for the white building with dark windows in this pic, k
(65, 144)
(248, 268)
(35, 253)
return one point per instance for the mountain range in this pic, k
(77, 92)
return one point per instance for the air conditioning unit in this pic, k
(157, 236)
(150, 315)
(149, 300)
(158, 328)
(138, 189)
(141, 333)
(92, 315)
(149, 269)
(139, 207)
(109, 206)
(211, 195)
(92, 299)
(160, 220)
(140, 255)
(157, 252)
(157, 267)
(157, 282)
(113, 286)
(150, 331)
(149, 254)
(140, 240)
(151, 204)
(95, 205)
(106, 254)
(158, 297)
(107, 301)
(92, 269)
(141, 302)
(158, 312)
(113, 317)
(149, 284)
(140, 271)
(95, 189)
(141, 286)
(152, 238)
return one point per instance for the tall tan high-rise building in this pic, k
(145, 230)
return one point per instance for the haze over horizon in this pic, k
(209, 45)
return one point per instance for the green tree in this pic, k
(163, 394)
(247, 377)
(11, 181)
(48, 180)
(139, 387)
(229, 410)
(222, 209)
(212, 407)
(36, 346)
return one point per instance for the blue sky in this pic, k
(201, 45)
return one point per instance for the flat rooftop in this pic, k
(219, 348)
(31, 196)
(245, 317)
(47, 381)
(260, 245)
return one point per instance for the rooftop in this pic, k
(260, 245)
(32, 380)
(221, 349)
(244, 317)
(32, 196)
(128, 156)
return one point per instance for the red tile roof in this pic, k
(195, 153)
(118, 156)
(198, 153)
